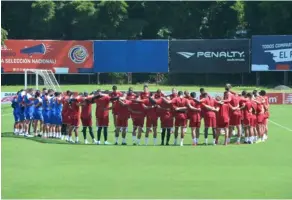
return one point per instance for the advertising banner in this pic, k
(209, 56)
(6, 97)
(272, 53)
(288, 98)
(136, 56)
(59, 56)
(275, 98)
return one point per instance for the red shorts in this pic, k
(166, 121)
(122, 121)
(151, 122)
(222, 124)
(235, 120)
(194, 124)
(86, 121)
(210, 121)
(138, 122)
(180, 122)
(74, 121)
(253, 121)
(65, 118)
(114, 111)
(247, 121)
(102, 121)
(260, 118)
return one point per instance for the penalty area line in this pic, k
(284, 127)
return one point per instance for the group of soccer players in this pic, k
(59, 114)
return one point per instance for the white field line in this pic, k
(284, 127)
(6, 114)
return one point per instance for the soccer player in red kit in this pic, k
(137, 114)
(74, 106)
(145, 94)
(194, 110)
(188, 97)
(235, 112)
(66, 115)
(166, 118)
(209, 116)
(180, 107)
(247, 119)
(123, 115)
(222, 117)
(267, 113)
(254, 122)
(86, 118)
(260, 114)
(102, 113)
(151, 119)
(115, 93)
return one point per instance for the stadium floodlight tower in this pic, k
(43, 78)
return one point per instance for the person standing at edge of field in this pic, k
(58, 113)
(209, 116)
(188, 97)
(16, 108)
(102, 113)
(86, 118)
(194, 117)
(113, 94)
(180, 107)
(267, 113)
(20, 102)
(260, 114)
(235, 113)
(44, 91)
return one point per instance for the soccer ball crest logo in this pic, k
(78, 54)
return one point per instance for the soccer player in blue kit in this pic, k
(46, 115)
(38, 112)
(52, 104)
(20, 101)
(29, 110)
(15, 106)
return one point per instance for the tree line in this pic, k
(98, 20)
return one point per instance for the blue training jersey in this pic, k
(52, 104)
(46, 106)
(15, 104)
(28, 103)
(58, 107)
(38, 105)
(20, 101)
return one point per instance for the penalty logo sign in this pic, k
(78, 54)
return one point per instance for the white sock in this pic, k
(228, 140)
(138, 141)
(124, 140)
(195, 140)
(117, 139)
(154, 141)
(182, 141)
(246, 139)
(67, 137)
(70, 138)
(206, 141)
(146, 140)
(238, 139)
(175, 141)
(185, 130)
(214, 141)
(76, 139)
(256, 138)
(134, 138)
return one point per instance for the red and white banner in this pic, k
(288, 98)
(275, 98)
(6, 97)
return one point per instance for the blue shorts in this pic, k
(58, 120)
(52, 118)
(46, 116)
(28, 115)
(38, 115)
(16, 116)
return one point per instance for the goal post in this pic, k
(42, 78)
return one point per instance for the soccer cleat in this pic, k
(86, 142)
(28, 135)
(98, 142)
(124, 143)
(116, 143)
(134, 143)
(21, 134)
(106, 143)
(162, 143)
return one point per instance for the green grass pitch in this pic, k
(32, 169)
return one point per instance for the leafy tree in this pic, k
(4, 35)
